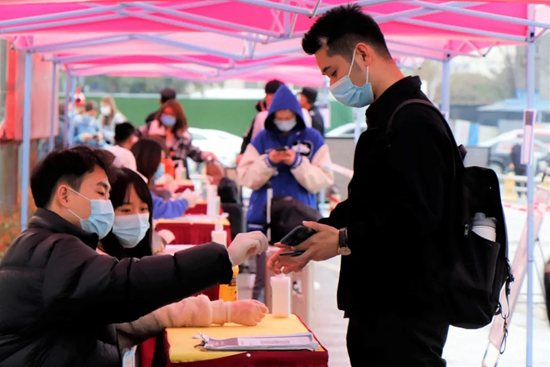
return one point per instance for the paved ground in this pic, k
(464, 348)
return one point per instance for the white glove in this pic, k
(191, 197)
(245, 245)
(247, 312)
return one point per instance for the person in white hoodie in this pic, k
(131, 237)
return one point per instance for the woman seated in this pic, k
(131, 237)
(149, 155)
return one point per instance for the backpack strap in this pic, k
(459, 153)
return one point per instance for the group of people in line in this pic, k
(63, 302)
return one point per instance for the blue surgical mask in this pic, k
(351, 95)
(168, 120)
(88, 119)
(160, 172)
(131, 229)
(286, 125)
(101, 218)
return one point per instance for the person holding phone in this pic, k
(392, 232)
(292, 156)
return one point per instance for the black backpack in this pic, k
(288, 213)
(480, 268)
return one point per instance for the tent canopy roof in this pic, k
(213, 40)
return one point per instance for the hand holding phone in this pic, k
(297, 236)
(291, 253)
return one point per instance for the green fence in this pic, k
(233, 116)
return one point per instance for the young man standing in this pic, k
(60, 298)
(391, 231)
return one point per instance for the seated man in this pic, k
(125, 138)
(60, 298)
(292, 156)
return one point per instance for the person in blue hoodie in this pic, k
(292, 156)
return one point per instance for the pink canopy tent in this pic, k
(214, 40)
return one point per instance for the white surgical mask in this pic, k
(285, 125)
(105, 110)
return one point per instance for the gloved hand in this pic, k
(247, 312)
(246, 245)
(191, 197)
(85, 137)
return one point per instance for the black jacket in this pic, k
(317, 121)
(60, 298)
(395, 212)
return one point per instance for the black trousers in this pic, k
(397, 340)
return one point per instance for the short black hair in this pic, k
(341, 29)
(167, 94)
(310, 94)
(272, 86)
(90, 106)
(65, 166)
(123, 132)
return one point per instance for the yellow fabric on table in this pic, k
(182, 343)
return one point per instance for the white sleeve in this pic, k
(317, 174)
(254, 170)
(119, 118)
(307, 117)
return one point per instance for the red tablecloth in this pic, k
(199, 209)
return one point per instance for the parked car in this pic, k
(542, 135)
(500, 159)
(224, 145)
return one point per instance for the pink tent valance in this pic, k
(217, 39)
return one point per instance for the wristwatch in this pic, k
(343, 248)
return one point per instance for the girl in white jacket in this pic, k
(131, 237)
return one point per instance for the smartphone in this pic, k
(291, 253)
(297, 236)
(281, 149)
